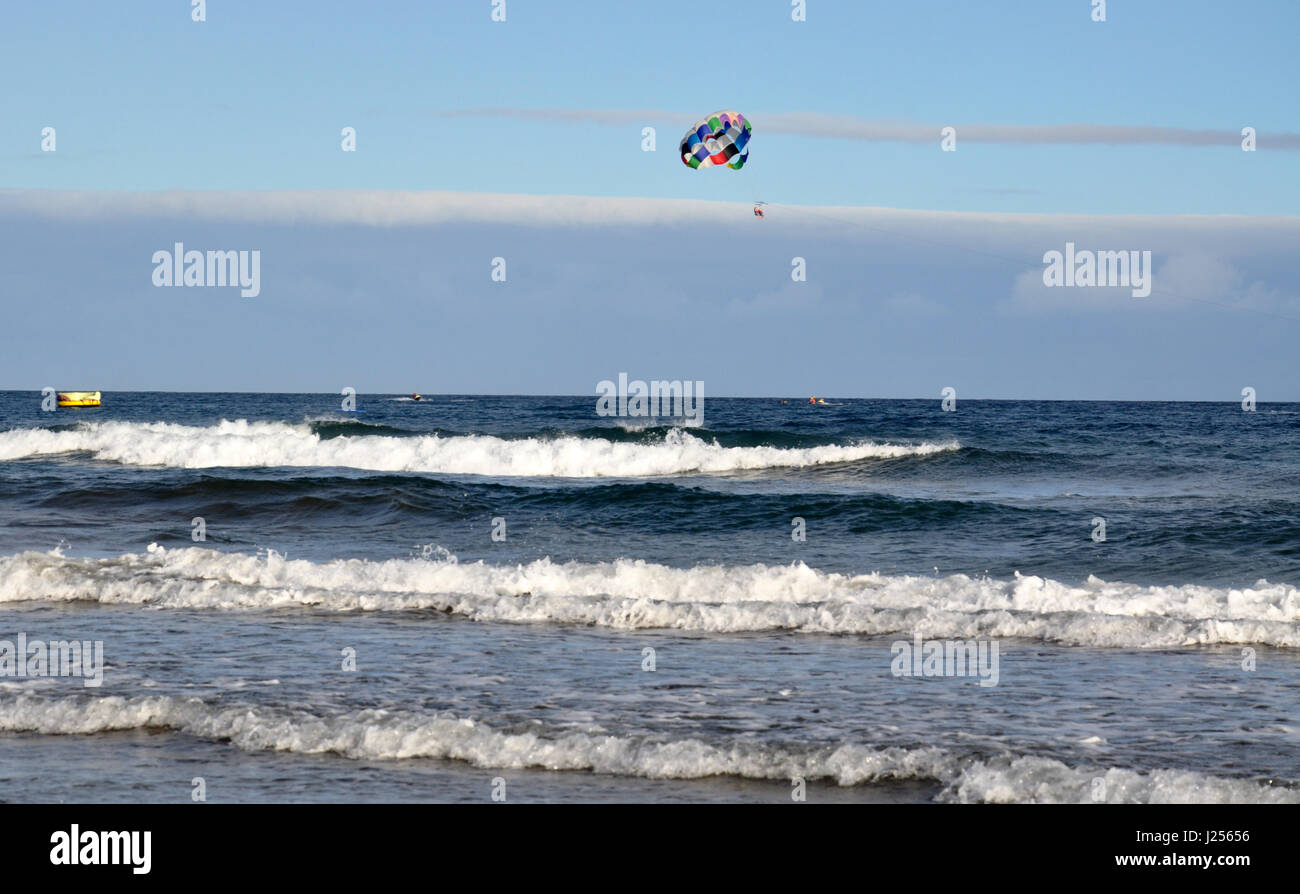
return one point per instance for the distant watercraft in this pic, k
(78, 398)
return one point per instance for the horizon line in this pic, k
(428, 394)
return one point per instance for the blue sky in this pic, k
(144, 98)
(552, 102)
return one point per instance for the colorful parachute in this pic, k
(720, 139)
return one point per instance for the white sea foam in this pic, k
(386, 735)
(634, 594)
(1046, 781)
(241, 443)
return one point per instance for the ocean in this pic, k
(476, 598)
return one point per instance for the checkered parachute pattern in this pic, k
(720, 139)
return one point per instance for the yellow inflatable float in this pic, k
(78, 398)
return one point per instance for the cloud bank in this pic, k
(404, 208)
(393, 291)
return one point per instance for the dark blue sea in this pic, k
(464, 598)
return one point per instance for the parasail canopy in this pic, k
(720, 139)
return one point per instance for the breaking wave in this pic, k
(241, 443)
(387, 735)
(635, 594)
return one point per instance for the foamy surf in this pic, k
(246, 444)
(386, 735)
(633, 594)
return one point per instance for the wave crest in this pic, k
(635, 594)
(241, 443)
(385, 735)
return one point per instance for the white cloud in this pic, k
(1177, 279)
(1227, 259)
(796, 297)
(850, 127)
(912, 304)
(376, 208)
(389, 208)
